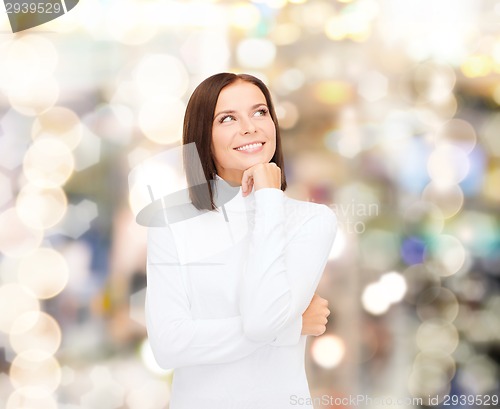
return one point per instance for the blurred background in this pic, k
(389, 112)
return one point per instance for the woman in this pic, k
(233, 320)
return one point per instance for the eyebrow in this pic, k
(232, 111)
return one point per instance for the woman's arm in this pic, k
(283, 272)
(175, 337)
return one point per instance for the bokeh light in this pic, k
(373, 86)
(32, 397)
(158, 177)
(437, 302)
(16, 238)
(149, 395)
(427, 381)
(44, 271)
(48, 163)
(449, 198)
(35, 330)
(36, 98)
(439, 360)
(19, 63)
(333, 92)
(26, 60)
(244, 15)
(374, 299)
(433, 82)
(126, 22)
(437, 114)
(35, 368)
(290, 80)
(287, 114)
(418, 279)
(446, 255)
(106, 391)
(160, 75)
(377, 297)
(285, 33)
(328, 351)
(15, 300)
(256, 53)
(477, 66)
(478, 231)
(41, 208)
(447, 165)
(60, 123)
(161, 119)
(394, 286)
(437, 335)
(459, 133)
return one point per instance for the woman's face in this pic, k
(243, 132)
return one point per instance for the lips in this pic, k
(248, 144)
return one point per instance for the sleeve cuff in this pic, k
(269, 196)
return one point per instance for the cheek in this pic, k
(272, 133)
(271, 128)
(220, 147)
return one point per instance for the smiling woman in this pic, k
(230, 300)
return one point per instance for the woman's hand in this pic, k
(260, 176)
(314, 318)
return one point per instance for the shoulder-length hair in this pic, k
(198, 122)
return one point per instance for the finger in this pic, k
(245, 180)
(249, 187)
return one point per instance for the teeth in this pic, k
(245, 147)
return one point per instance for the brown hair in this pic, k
(198, 122)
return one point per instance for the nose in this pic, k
(246, 126)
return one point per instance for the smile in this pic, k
(251, 147)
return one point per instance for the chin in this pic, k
(255, 161)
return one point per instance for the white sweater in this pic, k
(225, 296)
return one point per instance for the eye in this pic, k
(226, 118)
(261, 112)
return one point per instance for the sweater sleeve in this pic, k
(283, 271)
(175, 337)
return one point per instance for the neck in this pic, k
(233, 181)
(232, 178)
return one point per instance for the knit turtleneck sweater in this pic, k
(225, 296)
